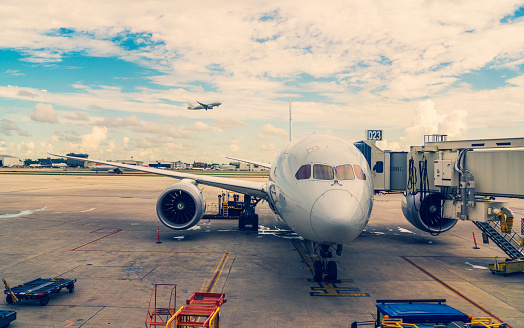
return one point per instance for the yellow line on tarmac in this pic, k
(303, 254)
(464, 297)
(208, 288)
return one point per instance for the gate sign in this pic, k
(373, 134)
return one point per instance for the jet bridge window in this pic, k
(323, 172)
(345, 172)
(359, 173)
(304, 172)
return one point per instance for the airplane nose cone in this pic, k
(336, 216)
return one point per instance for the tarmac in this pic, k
(102, 231)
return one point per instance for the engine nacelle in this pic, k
(181, 205)
(426, 214)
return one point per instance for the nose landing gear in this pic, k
(326, 266)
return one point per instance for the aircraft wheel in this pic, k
(254, 222)
(332, 270)
(71, 288)
(44, 300)
(317, 270)
(242, 221)
(9, 299)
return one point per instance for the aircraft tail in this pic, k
(190, 106)
(146, 163)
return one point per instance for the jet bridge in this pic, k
(459, 180)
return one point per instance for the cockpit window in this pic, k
(323, 172)
(359, 173)
(345, 172)
(304, 172)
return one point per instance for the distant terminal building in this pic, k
(251, 167)
(50, 161)
(129, 162)
(179, 165)
(199, 165)
(74, 162)
(161, 164)
(9, 161)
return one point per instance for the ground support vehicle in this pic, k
(508, 266)
(201, 310)
(423, 313)
(6, 317)
(40, 289)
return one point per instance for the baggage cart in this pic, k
(40, 289)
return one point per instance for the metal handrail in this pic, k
(515, 240)
(175, 316)
(210, 320)
(396, 323)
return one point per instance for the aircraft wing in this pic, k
(252, 188)
(267, 165)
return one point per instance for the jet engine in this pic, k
(181, 205)
(425, 212)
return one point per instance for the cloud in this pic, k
(7, 126)
(200, 126)
(268, 147)
(44, 113)
(112, 122)
(14, 72)
(390, 145)
(77, 116)
(25, 93)
(274, 131)
(150, 127)
(227, 123)
(69, 136)
(91, 141)
(427, 122)
(234, 146)
(179, 132)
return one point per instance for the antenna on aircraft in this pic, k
(290, 124)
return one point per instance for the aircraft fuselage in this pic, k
(322, 187)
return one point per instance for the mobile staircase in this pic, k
(511, 243)
(201, 310)
(158, 316)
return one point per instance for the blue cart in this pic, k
(423, 313)
(6, 317)
(39, 289)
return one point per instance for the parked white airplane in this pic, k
(112, 168)
(320, 185)
(203, 106)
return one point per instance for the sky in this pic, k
(113, 78)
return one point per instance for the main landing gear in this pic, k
(326, 266)
(249, 217)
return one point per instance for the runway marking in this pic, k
(326, 288)
(211, 284)
(331, 289)
(464, 297)
(93, 241)
(303, 254)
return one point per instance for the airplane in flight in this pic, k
(203, 106)
(112, 169)
(320, 185)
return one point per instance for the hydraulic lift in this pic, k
(235, 206)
